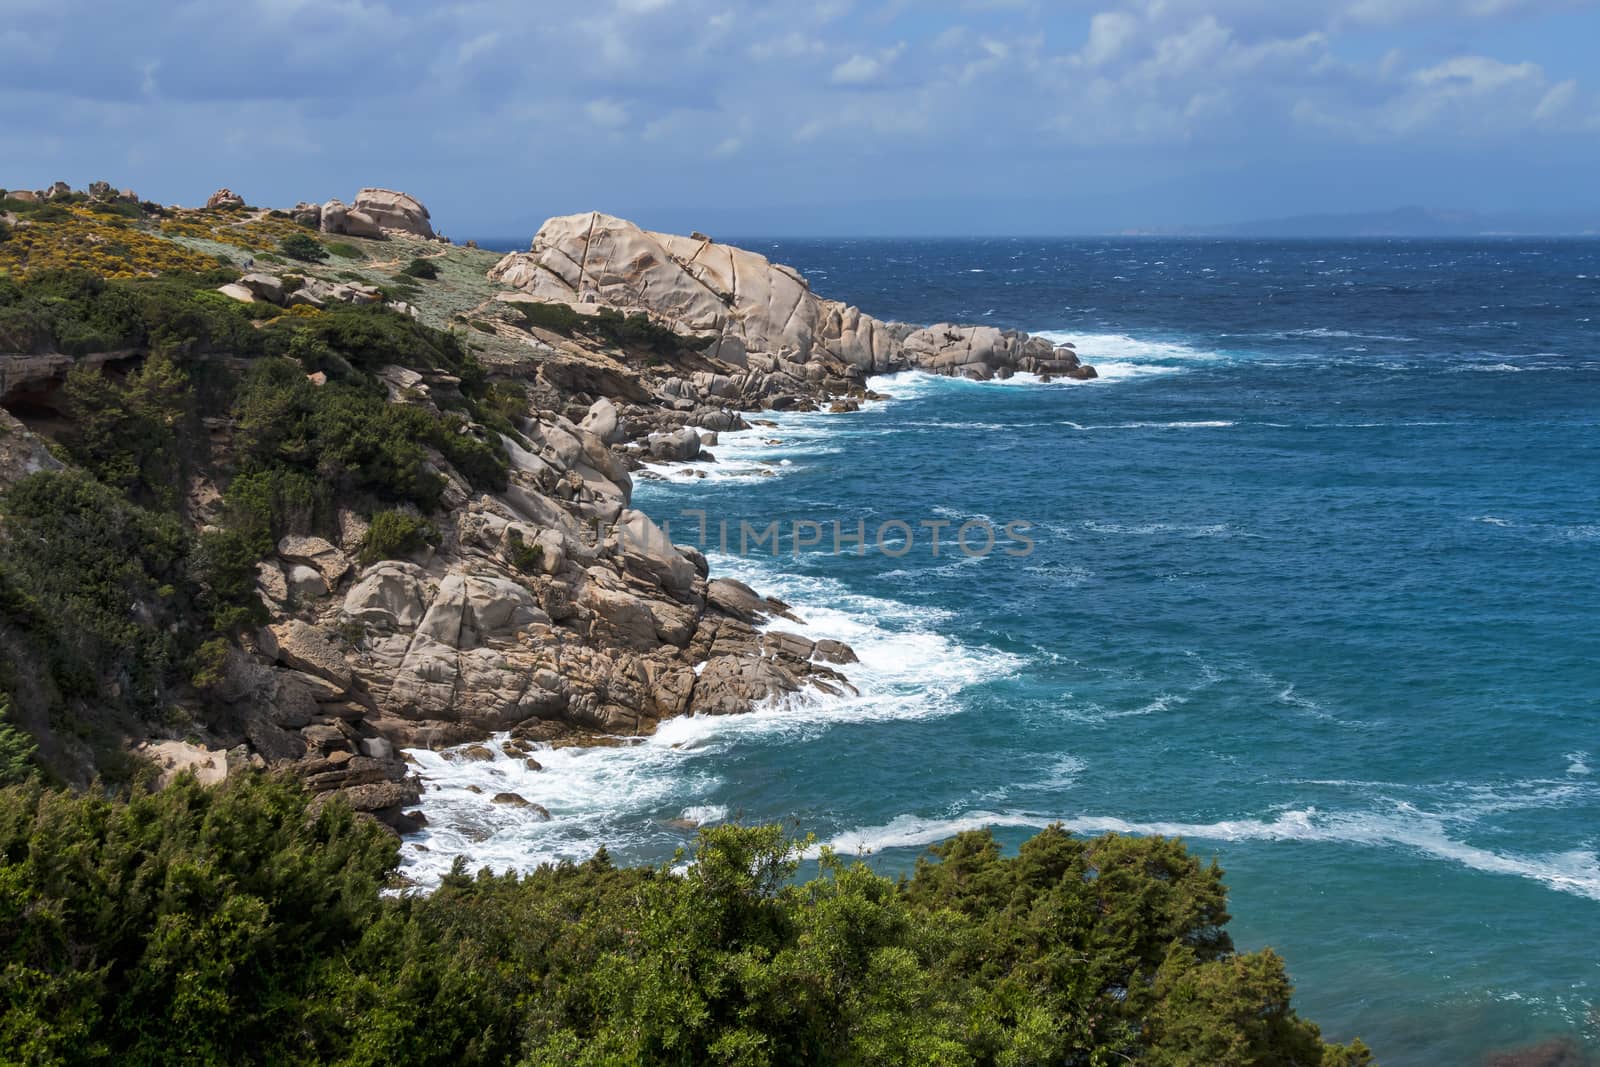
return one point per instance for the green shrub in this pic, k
(209, 662)
(97, 581)
(304, 247)
(238, 924)
(421, 268)
(608, 325)
(16, 749)
(191, 925)
(128, 434)
(396, 534)
(557, 318)
(345, 250)
(529, 559)
(78, 313)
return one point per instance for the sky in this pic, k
(833, 117)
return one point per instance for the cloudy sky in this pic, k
(822, 117)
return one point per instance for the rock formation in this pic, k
(224, 198)
(375, 214)
(766, 320)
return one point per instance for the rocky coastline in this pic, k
(551, 610)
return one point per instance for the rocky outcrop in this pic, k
(375, 214)
(21, 452)
(312, 292)
(224, 197)
(775, 338)
(395, 212)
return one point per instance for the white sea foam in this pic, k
(1324, 332)
(1575, 871)
(632, 798)
(1195, 424)
(705, 814)
(765, 451)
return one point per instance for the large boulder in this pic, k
(390, 595)
(676, 446)
(752, 304)
(469, 610)
(604, 422)
(647, 551)
(395, 211)
(339, 218)
(318, 554)
(308, 649)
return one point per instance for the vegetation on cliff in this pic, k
(109, 593)
(240, 926)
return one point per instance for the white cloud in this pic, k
(861, 69)
(607, 113)
(1109, 33)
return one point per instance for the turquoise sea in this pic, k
(1314, 584)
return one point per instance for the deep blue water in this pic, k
(1314, 585)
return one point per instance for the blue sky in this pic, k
(829, 117)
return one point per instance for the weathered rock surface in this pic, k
(395, 211)
(777, 339)
(375, 214)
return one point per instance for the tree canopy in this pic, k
(243, 924)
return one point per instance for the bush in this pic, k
(98, 582)
(396, 534)
(16, 749)
(127, 435)
(529, 559)
(611, 326)
(421, 268)
(304, 247)
(189, 925)
(345, 250)
(557, 318)
(240, 925)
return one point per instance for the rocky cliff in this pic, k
(546, 606)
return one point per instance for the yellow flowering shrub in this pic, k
(109, 245)
(257, 233)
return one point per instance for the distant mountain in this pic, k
(1401, 222)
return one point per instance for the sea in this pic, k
(1308, 577)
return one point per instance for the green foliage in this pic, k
(396, 534)
(304, 247)
(345, 250)
(529, 559)
(208, 663)
(16, 749)
(557, 318)
(78, 313)
(352, 438)
(193, 925)
(97, 582)
(635, 331)
(229, 925)
(421, 268)
(128, 435)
